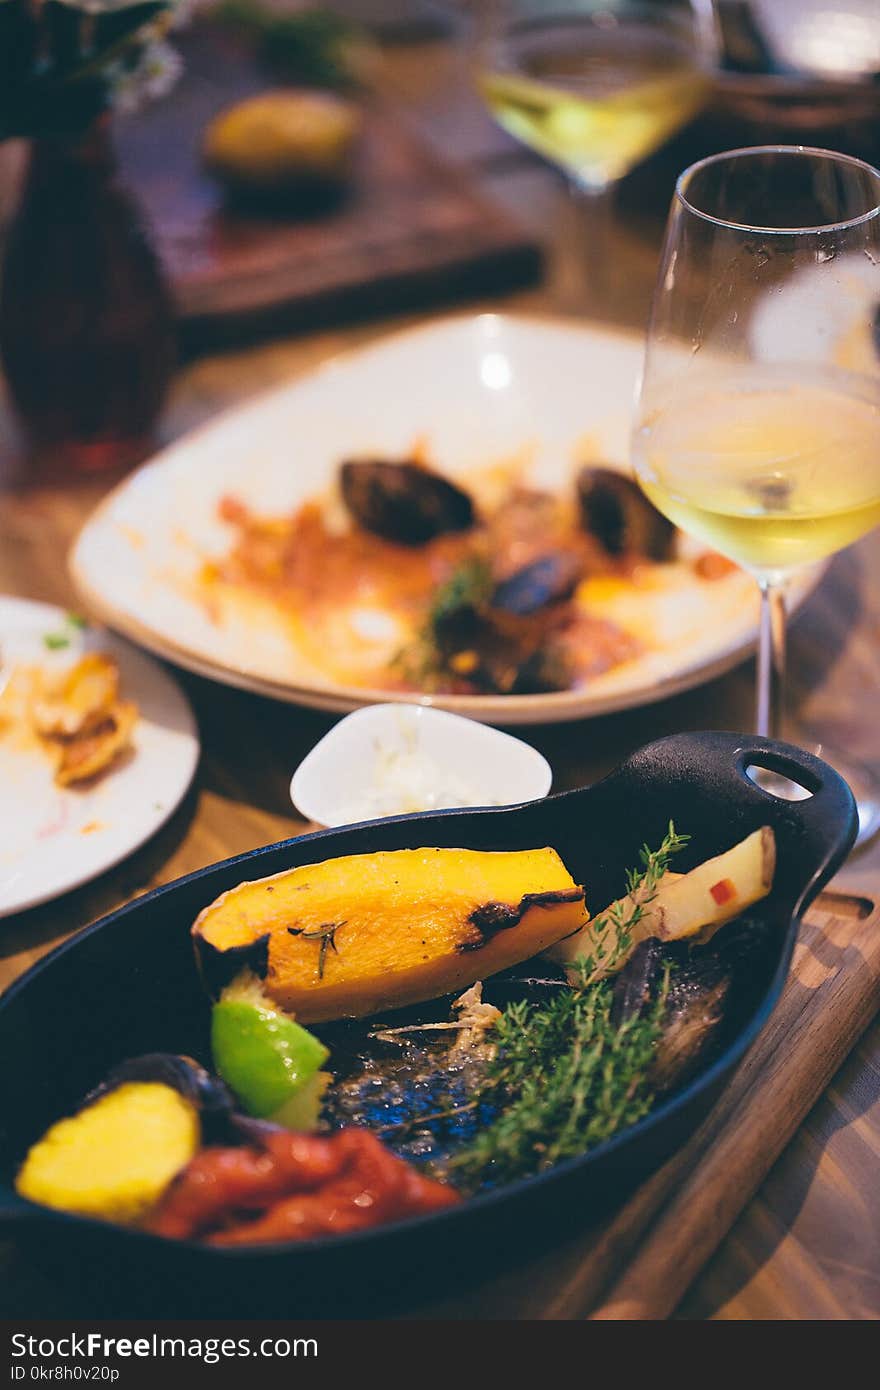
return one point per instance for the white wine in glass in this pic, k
(756, 431)
(593, 92)
(594, 86)
(776, 467)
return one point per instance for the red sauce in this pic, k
(294, 1187)
(316, 575)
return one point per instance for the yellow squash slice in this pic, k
(355, 935)
(116, 1157)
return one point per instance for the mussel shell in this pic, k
(403, 502)
(512, 654)
(617, 513)
(549, 668)
(710, 991)
(635, 983)
(694, 1011)
(549, 579)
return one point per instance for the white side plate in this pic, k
(56, 838)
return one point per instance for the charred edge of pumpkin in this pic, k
(490, 918)
(219, 966)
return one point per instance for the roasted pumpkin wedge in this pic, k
(355, 935)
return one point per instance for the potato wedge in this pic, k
(90, 752)
(81, 699)
(355, 935)
(694, 904)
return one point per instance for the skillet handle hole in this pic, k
(775, 784)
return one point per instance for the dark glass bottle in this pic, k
(86, 321)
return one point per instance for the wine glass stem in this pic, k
(594, 219)
(771, 661)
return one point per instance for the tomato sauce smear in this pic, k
(294, 1187)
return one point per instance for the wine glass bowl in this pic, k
(758, 428)
(593, 88)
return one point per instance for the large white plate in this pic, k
(478, 388)
(56, 838)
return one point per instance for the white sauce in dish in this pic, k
(407, 779)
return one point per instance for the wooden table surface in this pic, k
(808, 1245)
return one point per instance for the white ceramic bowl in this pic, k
(425, 757)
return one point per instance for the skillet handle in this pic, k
(828, 814)
(814, 835)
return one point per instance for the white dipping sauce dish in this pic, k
(390, 759)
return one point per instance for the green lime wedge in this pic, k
(303, 1110)
(263, 1056)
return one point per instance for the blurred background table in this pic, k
(808, 1245)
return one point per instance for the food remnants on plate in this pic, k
(73, 713)
(381, 1115)
(405, 580)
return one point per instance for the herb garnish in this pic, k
(326, 935)
(565, 1076)
(612, 932)
(58, 641)
(468, 586)
(467, 589)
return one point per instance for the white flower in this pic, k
(155, 72)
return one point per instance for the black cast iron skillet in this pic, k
(128, 985)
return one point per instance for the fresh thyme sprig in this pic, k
(565, 1076)
(612, 931)
(325, 935)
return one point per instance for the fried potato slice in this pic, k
(81, 699)
(692, 905)
(91, 752)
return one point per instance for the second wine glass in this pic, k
(593, 87)
(758, 428)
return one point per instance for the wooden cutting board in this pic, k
(411, 229)
(640, 1264)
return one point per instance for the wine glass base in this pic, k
(864, 786)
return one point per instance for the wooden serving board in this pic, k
(411, 229)
(640, 1264)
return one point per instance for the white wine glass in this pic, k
(594, 86)
(758, 426)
